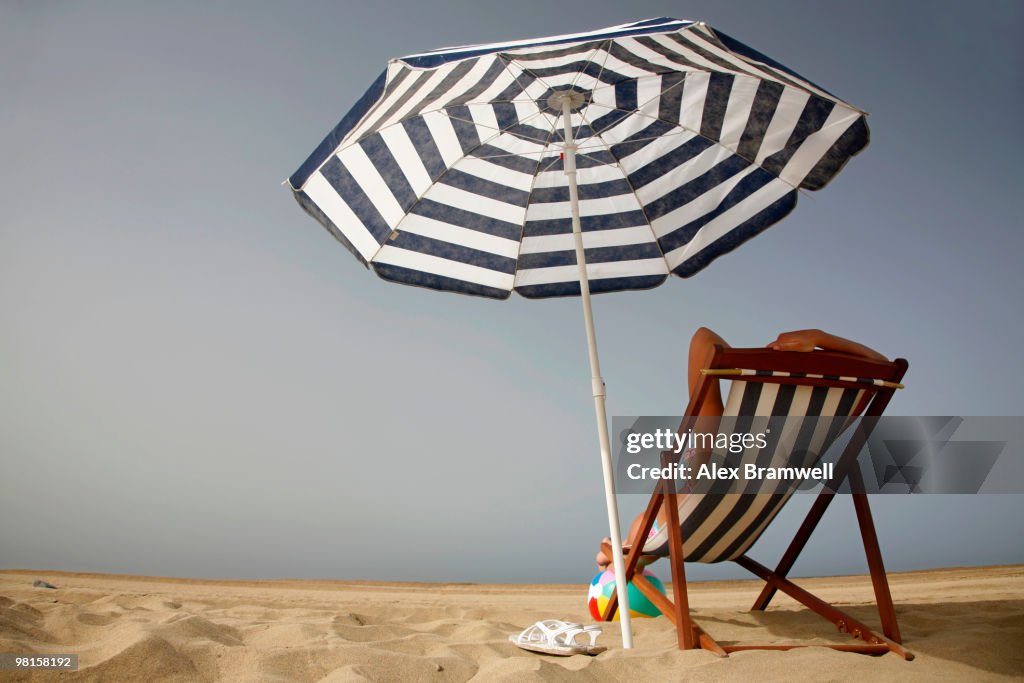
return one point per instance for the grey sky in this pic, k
(198, 380)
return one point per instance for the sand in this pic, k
(963, 624)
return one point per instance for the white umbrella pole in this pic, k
(597, 381)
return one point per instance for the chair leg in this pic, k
(681, 604)
(879, 580)
(666, 607)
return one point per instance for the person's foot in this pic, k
(603, 561)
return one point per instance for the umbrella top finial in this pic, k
(575, 98)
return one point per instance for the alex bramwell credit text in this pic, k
(714, 471)
(667, 439)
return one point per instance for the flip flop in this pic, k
(554, 637)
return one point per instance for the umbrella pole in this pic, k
(597, 382)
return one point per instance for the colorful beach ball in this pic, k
(600, 594)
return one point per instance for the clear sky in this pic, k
(197, 380)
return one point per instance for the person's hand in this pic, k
(799, 340)
(602, 559)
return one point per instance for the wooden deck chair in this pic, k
(716, 528)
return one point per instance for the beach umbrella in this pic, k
(561, 166)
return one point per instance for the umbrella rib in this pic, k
(600, 48)
(625, 177)
(529, 197)
(607, 53)
(552, 163)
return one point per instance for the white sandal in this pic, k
(554, 637)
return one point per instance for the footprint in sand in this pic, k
(92, 619)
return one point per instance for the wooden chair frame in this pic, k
(832, 366)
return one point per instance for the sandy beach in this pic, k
(963, 624)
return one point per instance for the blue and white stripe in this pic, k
(448, 172)
(719, 527)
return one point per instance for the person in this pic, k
(702, 350)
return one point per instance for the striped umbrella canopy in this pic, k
(448, 173)
(599, 161)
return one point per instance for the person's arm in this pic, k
(808, 340)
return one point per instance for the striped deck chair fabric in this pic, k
(717, 528)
